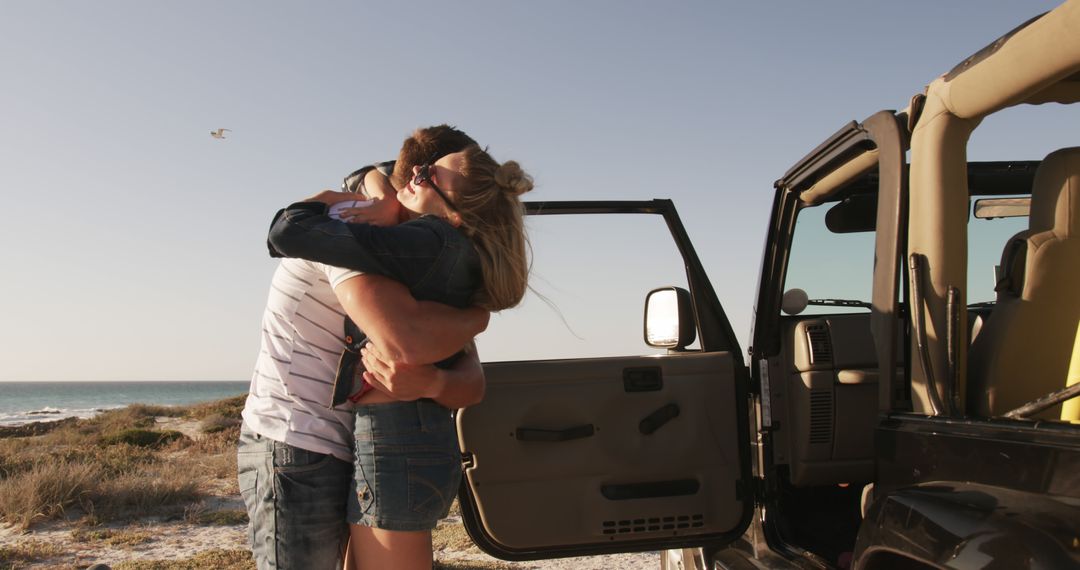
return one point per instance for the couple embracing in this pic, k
(367, 349)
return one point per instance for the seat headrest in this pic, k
(1055, 194)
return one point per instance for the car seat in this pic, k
(1024, 347)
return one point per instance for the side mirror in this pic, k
(669, 318)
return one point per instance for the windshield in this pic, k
(835, 269)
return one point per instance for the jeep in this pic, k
(908, 399)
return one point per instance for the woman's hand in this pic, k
(402, 381)
(330, 197)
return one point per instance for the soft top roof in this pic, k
(1038, 62)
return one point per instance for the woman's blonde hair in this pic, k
(493, 217)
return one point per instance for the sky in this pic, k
(134, 243)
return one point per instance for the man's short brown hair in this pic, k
(422, 145)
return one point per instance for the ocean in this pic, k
(24, 402)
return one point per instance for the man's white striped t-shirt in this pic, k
(302, 341)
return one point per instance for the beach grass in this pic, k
(118, 465)
(122, 538)
(221, 559)
(27, 552)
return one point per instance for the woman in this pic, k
(295, 455)
(464, 243)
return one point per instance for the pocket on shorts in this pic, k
(247, 480)
(433, 483)
(299, 461)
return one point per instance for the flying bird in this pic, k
(219, 134)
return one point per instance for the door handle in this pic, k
(536, 434)
(657, 419)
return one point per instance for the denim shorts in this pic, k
(407, 465)
(295, 503)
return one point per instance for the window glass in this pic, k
(835, 269)
(1024, 132)
(986, 240)
(590, 275)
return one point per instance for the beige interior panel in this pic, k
(937, 234)
(832, 388)
(837, 179)
(834, 343)
(559, 486)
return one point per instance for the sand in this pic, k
(178, 540)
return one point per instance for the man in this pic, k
(294, 457)
(295, 454)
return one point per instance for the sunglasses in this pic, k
(423, 176)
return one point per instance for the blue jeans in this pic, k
(407, 465)
(296, 503)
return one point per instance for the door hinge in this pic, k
(766, 394)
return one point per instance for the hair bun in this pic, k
(511, 178)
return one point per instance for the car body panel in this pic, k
(963, 525)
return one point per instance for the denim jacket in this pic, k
(428, 255)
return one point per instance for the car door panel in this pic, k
(609, 453)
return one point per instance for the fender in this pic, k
(952, 524)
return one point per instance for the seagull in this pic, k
(219, 134)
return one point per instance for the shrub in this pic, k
(111, 537)
(157, 490)
(27, 551)
(228, 407)
(215, 423)
(153, 411)
(116, 420)
(218, 558)
(12, 461)
(142, 437)
(221, 518)
(46, 491)
(118, 459)
(218, 466)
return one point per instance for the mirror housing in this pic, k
(990, 208)
(856, 213)
(669, 318)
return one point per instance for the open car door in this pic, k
(580, 455)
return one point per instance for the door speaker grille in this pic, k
(654, 524)
(821, 416)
